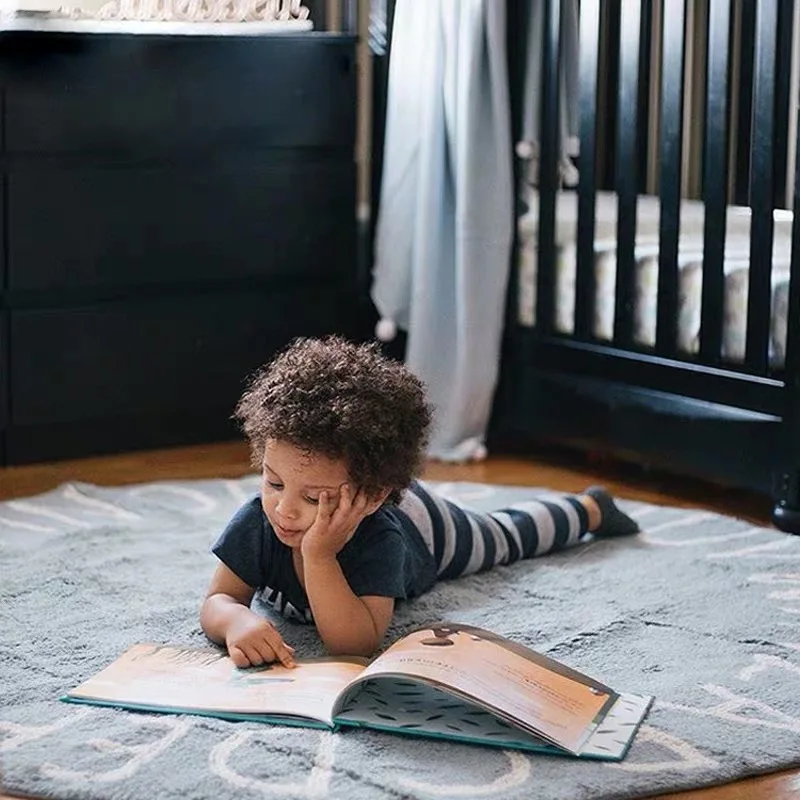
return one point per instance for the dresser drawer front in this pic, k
(74, 228)
(147, 94)
(161, 356)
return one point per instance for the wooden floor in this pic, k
(554, 469)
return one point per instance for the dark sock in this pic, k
(613, 521)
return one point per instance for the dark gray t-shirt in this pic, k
(386, 557)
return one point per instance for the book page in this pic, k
(160, 677)
(421, 709)
(537, 693)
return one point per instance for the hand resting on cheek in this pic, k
(336, 522)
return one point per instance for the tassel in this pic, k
(386, 329)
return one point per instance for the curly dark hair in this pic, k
(345, 401)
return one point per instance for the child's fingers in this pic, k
(352, 500)
(238, 657)
(286, 657)
(248, 655)
(344, 512)
(351, 509)
(262, 653)
(361, 500)
(324, 507)
(279, 650)
(345, 497)
(358, 504)
(283, 653)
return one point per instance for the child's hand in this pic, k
(252, 640)
(335, 523)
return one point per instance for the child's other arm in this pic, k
(347, 624)
(226, 619)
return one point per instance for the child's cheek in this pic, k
(268, 500)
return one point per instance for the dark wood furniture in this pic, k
(174, 209)
(736, 423)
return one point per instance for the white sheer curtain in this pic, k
(445, 228)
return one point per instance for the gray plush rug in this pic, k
(700, 610)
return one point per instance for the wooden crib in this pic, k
(648, 323)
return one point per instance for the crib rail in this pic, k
(619, 43)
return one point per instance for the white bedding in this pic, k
(690, 260)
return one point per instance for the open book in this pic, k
(450, 681)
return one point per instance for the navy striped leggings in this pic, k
(464, 541)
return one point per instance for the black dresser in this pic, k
(174, 209)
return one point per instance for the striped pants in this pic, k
(463, 541)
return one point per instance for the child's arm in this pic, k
(226, 619)
(347, 624)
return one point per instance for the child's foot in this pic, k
(613, 521)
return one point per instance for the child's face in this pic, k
(292, 480)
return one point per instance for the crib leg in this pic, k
(786, 511)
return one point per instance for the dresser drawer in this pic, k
(161, 356)
(75, 227)
(145, 94)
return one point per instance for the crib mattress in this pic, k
(690, 273)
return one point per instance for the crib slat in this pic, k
(673, 21)
(585, 279)
(626, 177)
(548, 166)
(761, 180)
(746, 13)
(715, 180)
(646, 81)
(516, 36)
(783, 67)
